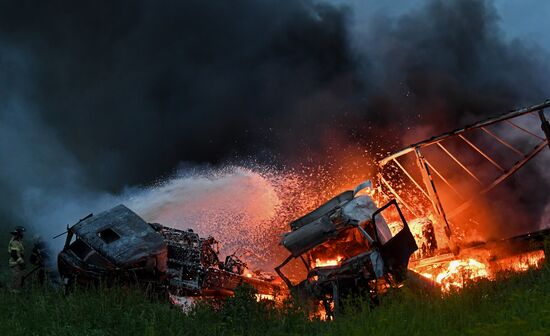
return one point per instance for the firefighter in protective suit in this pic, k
(39, 258)
(17, 259)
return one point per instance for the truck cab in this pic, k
(345, 246)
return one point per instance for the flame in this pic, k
(247, 273)
(327, 262)
(264, 297)
(523, 262)
(460, 271)
(319, 312)
(455, 273)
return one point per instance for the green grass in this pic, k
(517, 305)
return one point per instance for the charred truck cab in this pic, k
(115, 244)
(346, 246)
(118, 245)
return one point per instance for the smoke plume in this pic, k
(100, 98)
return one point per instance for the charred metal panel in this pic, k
(117, 246)
(120, 235)
(357, 261)
(323, 210)
(359, 211)
(397, 251)
(308, 236)
(355, 267)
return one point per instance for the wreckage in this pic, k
(119, 246)
(362, 240)
(452, 181)
(346, 246)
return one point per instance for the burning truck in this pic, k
(420, 219)
(346, 247)
(118, 246)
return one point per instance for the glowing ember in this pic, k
(460, 271)
(247, 273)
(455, 273)
(328, 262)
(264, 297)
(522, 262)
(320, 312)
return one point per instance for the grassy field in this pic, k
(517, 305)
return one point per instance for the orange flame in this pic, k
(264, 297)
(457, 272)
(460, 271)
(327, 262)
(522, 262)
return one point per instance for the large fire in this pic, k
(457, 273)
(281, 197)
(454, 274)
(523, 262)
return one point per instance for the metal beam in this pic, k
(443, 178)
(524, 130)
(458, 162)
(499, 180)
(434, 197)
(411, 178)
(499, 139)
(397, 195)
(486, 122)
(493, 162)
(545, 126)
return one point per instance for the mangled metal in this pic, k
(114, 244)
(359, 245)
(357, 242)
(444, 191)
(349, 226)
(118, 245)
(432, 179)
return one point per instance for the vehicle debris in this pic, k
(119, 246)
(448, 180)
(346, 247)
(362, 241)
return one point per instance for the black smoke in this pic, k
(134, 87)
(99, 95)
(449, 64)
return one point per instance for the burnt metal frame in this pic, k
(375, 242)
(426, 168)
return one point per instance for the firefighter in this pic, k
(38, 258)
(16, 252)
